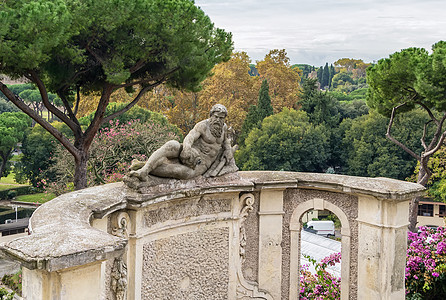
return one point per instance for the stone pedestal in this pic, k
(70, 284)
(382, 248)
(270, 241)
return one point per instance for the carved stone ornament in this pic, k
(246, 289)
(120, 225)
(246, 201)
(119, 279)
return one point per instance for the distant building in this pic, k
(315, 215)
(14, 227)
(431, 213)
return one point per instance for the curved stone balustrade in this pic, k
(61, 234)
(256, 230)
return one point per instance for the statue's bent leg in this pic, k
(170, 149)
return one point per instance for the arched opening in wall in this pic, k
(320, 255)
(303, 214)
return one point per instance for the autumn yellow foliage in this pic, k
(229, 84)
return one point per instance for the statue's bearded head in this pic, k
(217, 120)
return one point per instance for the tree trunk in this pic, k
(3, 165)
(80, 172)
(423, 177)
(413, 213)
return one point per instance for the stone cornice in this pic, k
(382, 188)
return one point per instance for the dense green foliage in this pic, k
(12, 131)
(392, 81)
(31, 96)
(320, 106)
(367, 152)
(257, 113)
(111, 153)
(342, 79)
(5, 295)
(324, 109)
(6, 106)
(359, 94)
(18, 88)
(353, 109)
(17, 191)
(325, 75)
(135, 113)
(39, 147)
(409, 79)
(14, 282)
(285, 141)
(109, 41)
(437, 183)
(306, 69)
(354, 142)
(264, 107)
(325, 78)
(68, 47)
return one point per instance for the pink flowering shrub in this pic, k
(111, 153)
(425, 269)
(322, 285)
(426, 264)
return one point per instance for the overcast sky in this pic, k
(319, 31)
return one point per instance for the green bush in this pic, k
(14, 282)
(17, 191)
(12, 194)
(5, 295)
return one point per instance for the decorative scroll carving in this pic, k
(245, 289)
(120, 227)
(119, 279)
(246, 201)
(121, 224)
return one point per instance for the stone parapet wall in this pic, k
(231, 237)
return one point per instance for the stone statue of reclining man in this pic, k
(206, 150)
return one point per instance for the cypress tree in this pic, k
(251, 122)
(332, 73)
(256, 113)
(325, 76)
(265, 108)
(319, 74)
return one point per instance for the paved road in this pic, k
(8, 267)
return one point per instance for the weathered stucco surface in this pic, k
(191, 266)
(188, 208)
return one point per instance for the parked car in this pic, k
(321, 227)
